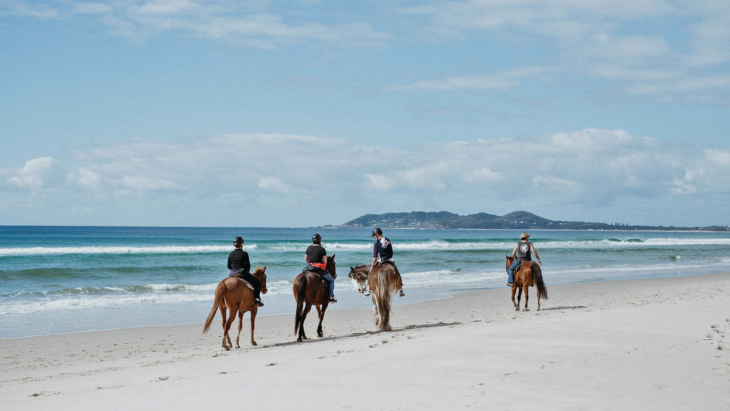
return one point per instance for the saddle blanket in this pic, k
(244, 281)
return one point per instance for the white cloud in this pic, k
(281, 174)
(216, 19)
(596, 40)
(33, 173)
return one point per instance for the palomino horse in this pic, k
(237, 297)
(526, 275)
(385, 281)
(310, 289)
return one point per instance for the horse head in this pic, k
(331, 266)
(510, 260)
(260, 274)
(359, 277)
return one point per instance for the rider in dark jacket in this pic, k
(316, 258)
(382, 252)
(240, 266)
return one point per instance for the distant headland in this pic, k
(519, 220)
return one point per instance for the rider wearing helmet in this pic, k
(521, 252)
(382, 252)
(316, 258)
(240, 266)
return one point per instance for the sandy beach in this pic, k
(659, 344)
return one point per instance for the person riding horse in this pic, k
(521, 252)
(316, 258)
(382, 254)
(240, 266)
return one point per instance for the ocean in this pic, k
(70, 279)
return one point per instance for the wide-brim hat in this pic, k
(524, 235)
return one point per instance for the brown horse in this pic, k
(527, 275)
(236, 296)
(385, 281)
(310, 289)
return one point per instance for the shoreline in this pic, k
(646, 344)
(443, 293)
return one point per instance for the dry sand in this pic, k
(660, 344)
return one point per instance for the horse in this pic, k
(527, 275)
(233, 293)
(311, 289)
(384, 280)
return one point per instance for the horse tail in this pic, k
(541, 287)
(218, 300)
(383, 296)
(301, 295)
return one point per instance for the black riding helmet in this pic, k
(377, 231)
(237, 241)
(316, 238)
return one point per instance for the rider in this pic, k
(240, 266)
(521, 253)
(316, 258)
(382, 252)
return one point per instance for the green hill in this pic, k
(521, 220)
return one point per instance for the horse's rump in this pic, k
(248, 284)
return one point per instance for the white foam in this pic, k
(4, 252)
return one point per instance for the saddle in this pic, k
(313, 269)
(244, 281)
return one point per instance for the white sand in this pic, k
(658, 344)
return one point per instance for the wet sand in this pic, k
(659, 344)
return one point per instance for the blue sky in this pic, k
(300, 113)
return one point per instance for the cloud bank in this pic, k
(303, 180)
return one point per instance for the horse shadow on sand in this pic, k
(361, 334)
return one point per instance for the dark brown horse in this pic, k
(310, 289)
(237, 297)
(527, 275)
(385, 281)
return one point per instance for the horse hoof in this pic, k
(320, 335)
(299, 339)
(253, 343)
(238, 346)
(517, 308)
(526, 309)
(225, 347)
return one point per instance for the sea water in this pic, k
(68, 279)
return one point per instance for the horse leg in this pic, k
(376, 311)
(527, 296)
(302, 335)
(240, 327)
(226, 339)
(538, 298)
(254, 311)
(320, 334)
(514, 289)
(519, 298)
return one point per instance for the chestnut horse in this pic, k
(236, 296)
(385, 281)
(527, 275)
(310, 289)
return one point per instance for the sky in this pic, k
(304, 113)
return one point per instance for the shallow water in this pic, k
(64, 279)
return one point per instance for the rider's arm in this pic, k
(306, 258)
(535, 252)
(246, 263)
(324, 260)
(514, 251)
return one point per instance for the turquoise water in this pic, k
(65, 279)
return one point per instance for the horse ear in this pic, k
(263, 269)
(333, 256)
(257, 267)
